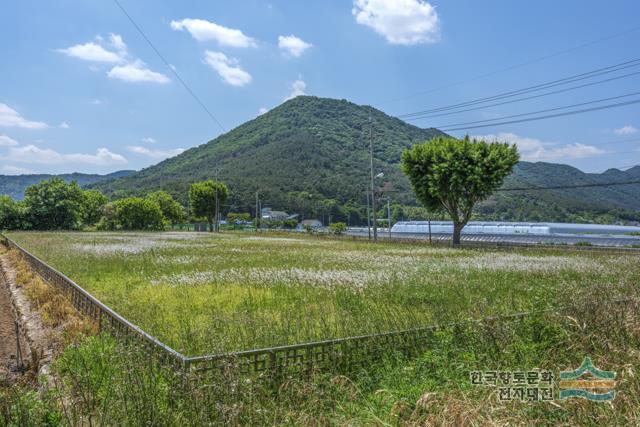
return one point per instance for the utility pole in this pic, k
(368, 215)
(430, 230)
(217, 213)
(389, 214)
(373, 190)
(257, 213)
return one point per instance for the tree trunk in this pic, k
(210, 224)
(457, 230)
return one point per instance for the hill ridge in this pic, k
(310, 155)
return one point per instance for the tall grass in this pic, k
(103, 382)
(205, 294)
(210, 293)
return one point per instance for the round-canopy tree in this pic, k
(453, 175)
(172, 210)
(136, 213)
(205, 199)
(54, 205)
(92, 206)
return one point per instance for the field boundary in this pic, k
(444, 240)
(274, 362)
(105, 317)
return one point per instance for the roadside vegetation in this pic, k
(57, 205)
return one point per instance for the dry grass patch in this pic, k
(56, 311)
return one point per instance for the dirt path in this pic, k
(8, 361)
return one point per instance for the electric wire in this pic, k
(170, 67)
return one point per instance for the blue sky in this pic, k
(80, 90)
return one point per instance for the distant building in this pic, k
(268, 214)
(494, 227)
(313, 223)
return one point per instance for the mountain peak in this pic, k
(308, 143)
(320, 147)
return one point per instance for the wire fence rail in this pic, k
(273, 363)
(104, 317)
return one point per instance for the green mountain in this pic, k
(589, 204)
(311, 155)
(307, 144)
(14, 185)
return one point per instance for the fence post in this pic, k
(18, 348)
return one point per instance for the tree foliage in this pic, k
(132, 213)
(92, 206)
(337, 228)
(238, 217)
(453, 175)
(172, 210)
(54, 205)
(203, 197)
(12, 214)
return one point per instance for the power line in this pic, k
(521, 64)
(175, 73)
(534, 88)
(566, 187)
(526, 98)
(545, 110)
(569, 113)
(464, 126)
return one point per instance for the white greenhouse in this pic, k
(491, 227)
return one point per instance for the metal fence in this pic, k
(104, 317)
(276, 362)
(340, 355)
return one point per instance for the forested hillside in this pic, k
(310, 155)
(14, 185)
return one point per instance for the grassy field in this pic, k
(203, 293)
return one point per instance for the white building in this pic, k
(491, 227)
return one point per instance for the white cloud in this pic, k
(136, 72)
(47, 156)
(535, 150)
(155, 154)
(227, 68)
(625, 130)
(119, 45)
(92, 52)
(64, 125)
(405, 22)
(293, 45)
(11, 118)
(15, 170)
(203, 30)
(262, 110)
(148, 140)
(131, 70)
(297, 89)
(5, 141)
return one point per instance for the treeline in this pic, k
(57, 205)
